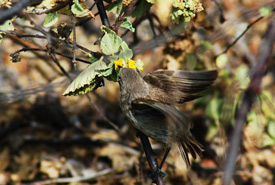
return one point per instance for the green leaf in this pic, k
(213, 109)
(127, 24)
(267, 103)
(206, 45)
(191, 61)
(151, 1)
(125, 53)
(110, 43)
(185, 10)
(87, 80)
(268, 141)
(77, 7)
(76, 10)
(176, 15)
(212, 130)
(50, 20)
(242, 72)
(6, 26)
(106, 71)
(115, 7)
(93, 59)
(242, 76)
(113, 58)
(271, 128)
(221, 60)
(114, 76)
(265, 11)
(142, 7)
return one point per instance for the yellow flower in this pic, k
(118, 63)
(132, 64)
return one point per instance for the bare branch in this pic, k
(17, 9)
(258, 72)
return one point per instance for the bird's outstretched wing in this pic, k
(167, 125)
(181, 85)
(159, 119)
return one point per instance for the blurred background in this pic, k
(47, 138)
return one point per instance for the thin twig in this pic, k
(240, 36)
(67, 43)
(45, 50)
(151, 24)
(127, 12)
(253, 90)
(77, 179)
(222, 19)
(74, 42)
(102, 115)
(61, 5)
(83, 20)
(43, 57)
(17, 9)
(52, 55)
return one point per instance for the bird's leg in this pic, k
(164, 157)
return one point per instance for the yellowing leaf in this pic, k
(47, 4)
(66, 10)
(81, 10)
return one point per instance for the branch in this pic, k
(65, 42)
(102, 13)
(151, 157)
(258, 72)
(52, 55)
(241, 35)
(55, 8)
(74, 41)
(127, 12)
(103, 116)
(77, 179)
(45, 50)
(17, 9)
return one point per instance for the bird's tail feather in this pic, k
(192, 146)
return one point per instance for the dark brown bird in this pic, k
(150, 103)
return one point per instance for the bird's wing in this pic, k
(158, 119)
(167, 125)
(182, 85)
